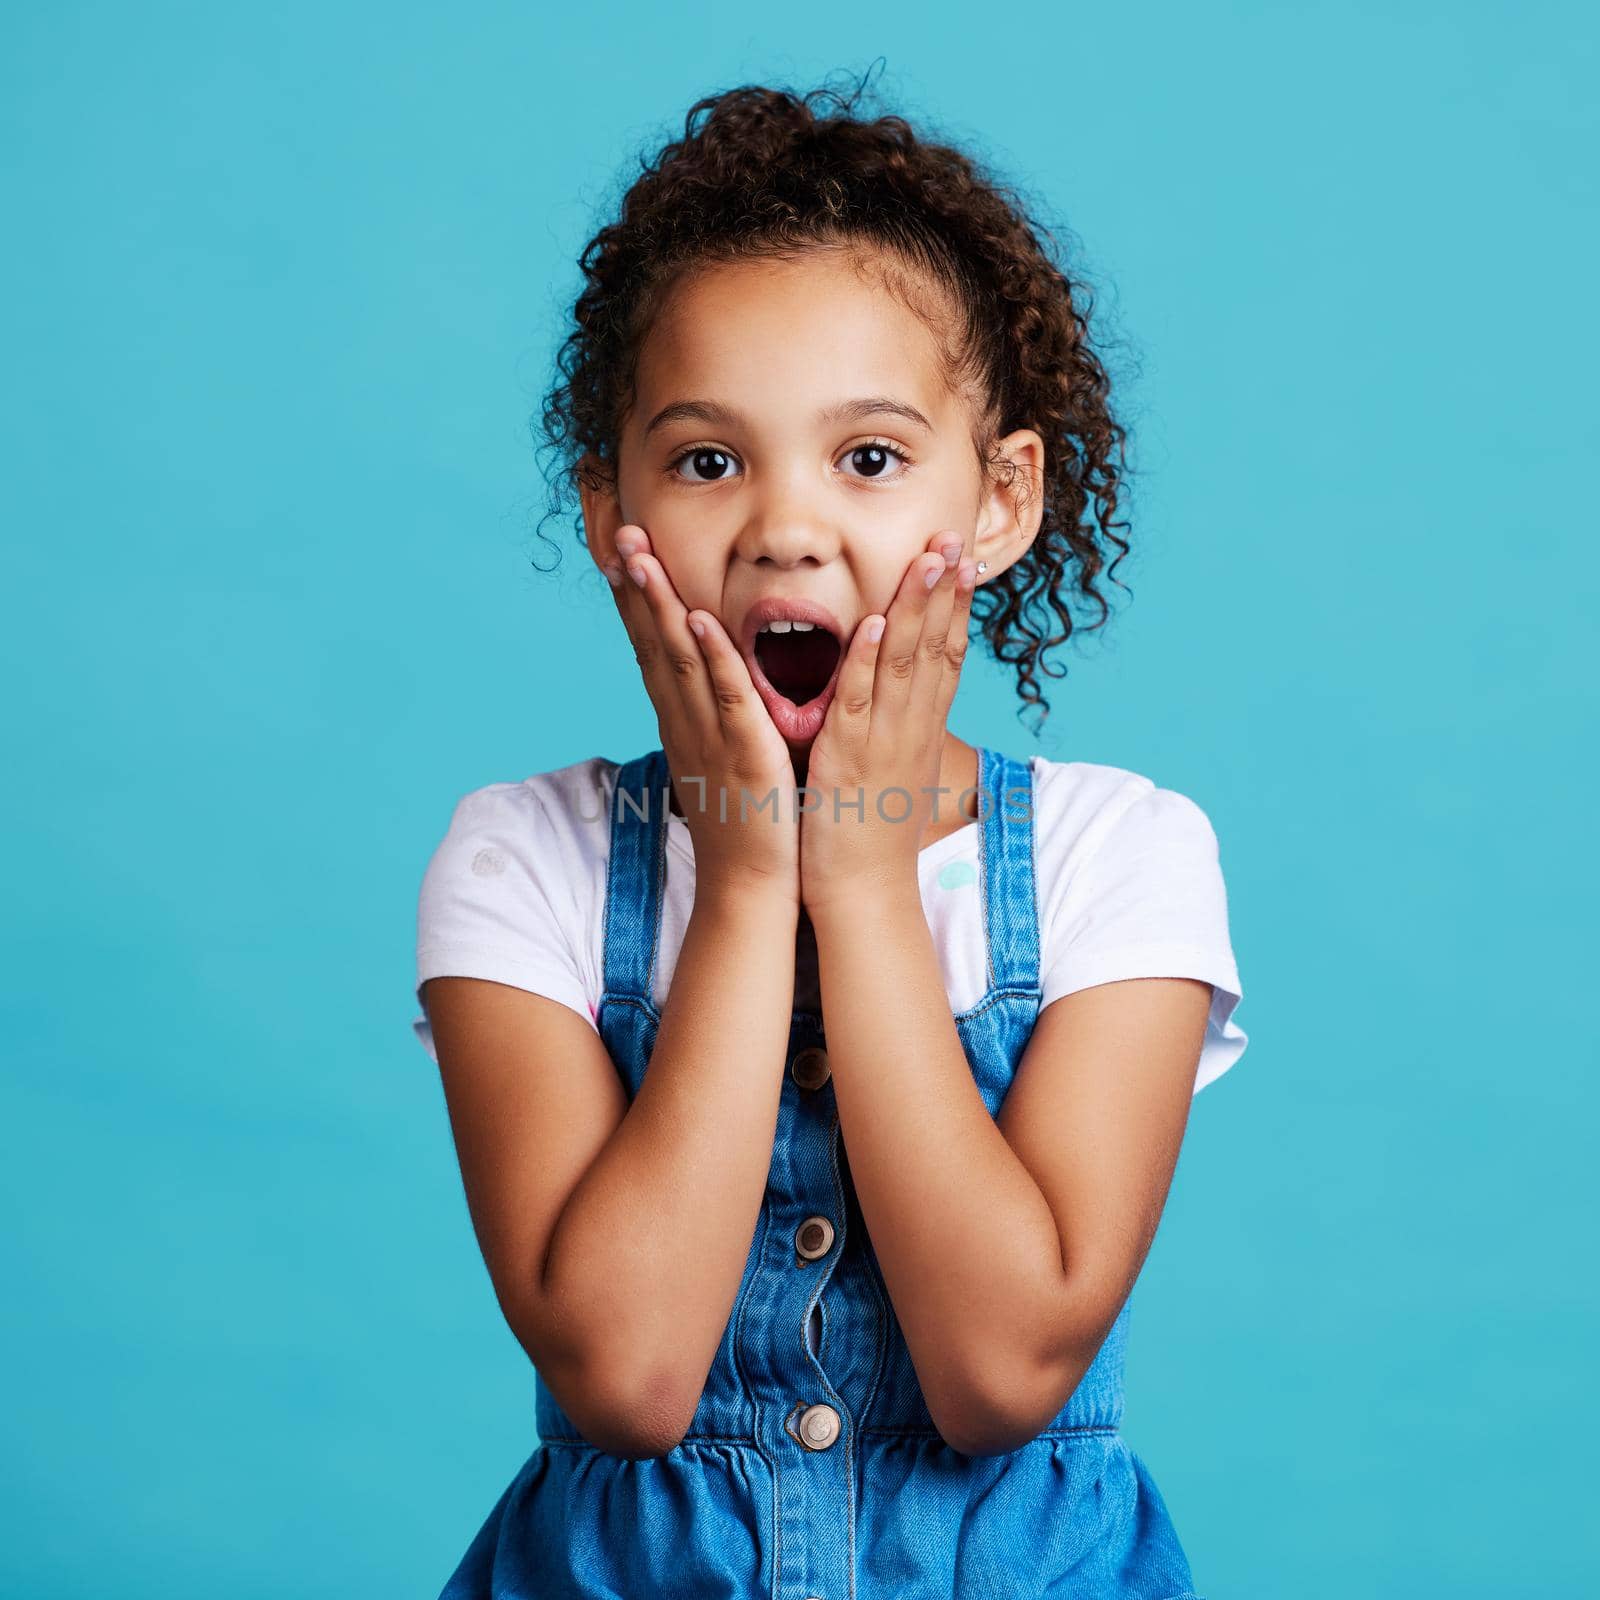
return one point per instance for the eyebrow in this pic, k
(845, 411)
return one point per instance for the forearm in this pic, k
(964, 1237)
(646, 1259)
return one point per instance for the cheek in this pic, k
(882, 575)
(942, 500)
(692, 565)
(883, 568)
(941, 496)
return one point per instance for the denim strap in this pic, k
(1006, 865)
(636, 874)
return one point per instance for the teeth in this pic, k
(802, 627)
(784, 624)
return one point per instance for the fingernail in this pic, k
(636, 572)
(967, 574)
(627, 545)
(613, 574)
(875, 630)
(951, 553)
(933, 575)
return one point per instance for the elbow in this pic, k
(615, 1404)
(636, 1417)
(1007, 1404)
(982, 1427)
(1007, 1401)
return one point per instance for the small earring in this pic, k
(983, 566)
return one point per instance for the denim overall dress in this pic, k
(812, 1469)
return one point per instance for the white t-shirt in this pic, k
(1127, 877)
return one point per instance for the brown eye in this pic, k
(706, 459)
(872, 459)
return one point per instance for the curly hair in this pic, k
(765, 172)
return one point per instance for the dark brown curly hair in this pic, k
(765, 172)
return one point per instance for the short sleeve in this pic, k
(498, 902)
(1147, 901)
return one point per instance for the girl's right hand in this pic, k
(718, 737)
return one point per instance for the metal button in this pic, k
(813, 1238)
(810, 1067)
(819, 1427)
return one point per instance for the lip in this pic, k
(775, 608)
(798, 724)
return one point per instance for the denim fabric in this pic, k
(884, 1509)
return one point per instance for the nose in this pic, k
(786, 528)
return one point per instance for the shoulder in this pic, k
(513, 891)
(570, 799)
(1130, 885)
(549, 825)
(1082, 808)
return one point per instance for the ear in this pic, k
(602, 512)
(1012, 507)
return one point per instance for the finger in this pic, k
(677, 664)
(638, 620)
(742, 711)
(899, 648)
(850, 714)
(928, 679)
(958, 636)
(657, 623)
(628, 540)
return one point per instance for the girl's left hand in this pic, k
(875, 762)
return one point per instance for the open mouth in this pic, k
(798, 658)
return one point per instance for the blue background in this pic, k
(280, 297)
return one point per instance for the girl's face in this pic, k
(791, 438)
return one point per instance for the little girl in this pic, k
(818, 1078)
